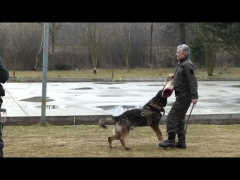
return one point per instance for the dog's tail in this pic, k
(106, 121)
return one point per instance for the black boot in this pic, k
(170, 142)
(181, 141)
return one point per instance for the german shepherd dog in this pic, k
(149, 115)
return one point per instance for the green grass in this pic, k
(230, 72)
(101, 73)
(201, 74)
(91, 141)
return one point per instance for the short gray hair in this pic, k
(184, 48)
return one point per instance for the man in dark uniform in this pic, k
(1, 127)
(186, 91)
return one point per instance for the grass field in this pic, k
(91, 141)
(121, 73)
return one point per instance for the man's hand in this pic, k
(194, 101)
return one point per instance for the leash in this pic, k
(188, 119)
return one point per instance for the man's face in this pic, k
(180, 54)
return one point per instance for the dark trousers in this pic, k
(1, 128)
(176, 118)
(1, 140)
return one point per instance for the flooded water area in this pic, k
(215, 97)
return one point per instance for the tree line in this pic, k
(119, 45)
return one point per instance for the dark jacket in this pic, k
(184, 78)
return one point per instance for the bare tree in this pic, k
(93, 37)
(26, 39)
(164, 44)
(53, 31)
(141, 43)
(151, 43)
(182, 33)
(207, 45)
(124, 32)
(3, 37)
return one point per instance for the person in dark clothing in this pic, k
(186, 92)
(1, 127)
(1, 140)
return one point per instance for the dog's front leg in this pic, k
(155, 128)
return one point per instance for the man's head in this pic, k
(182, 51)
(168, 89)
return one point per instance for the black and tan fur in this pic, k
(149, 115)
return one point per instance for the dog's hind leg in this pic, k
(124, 134)
(155, 128)
(112, 138)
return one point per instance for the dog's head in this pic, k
(169, 86)
(157, 101)
(161, 98)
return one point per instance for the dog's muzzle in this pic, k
(168, 88)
